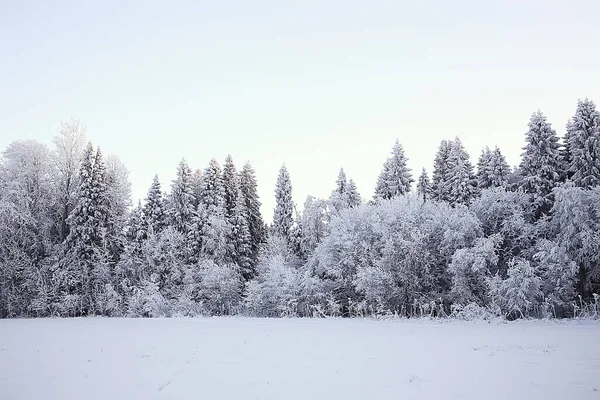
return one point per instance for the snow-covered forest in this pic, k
(470, 239)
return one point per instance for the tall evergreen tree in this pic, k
(341, 182)
(284, 205)
(87, 259)
(492, 169)
(213, 191)
(460, 176)
(540, 168)
(256, 225)
(440, 189)
(240, 236)
(216, 239)
(395, 179)
(423, 186)
(154, 209)
(483, 179)
(339, 197)
(583, 144)
(197, 187)
(230, 186)
(499, 169)
(181, 199)
(352, 194)
(194, 240)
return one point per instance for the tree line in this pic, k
(471, 240)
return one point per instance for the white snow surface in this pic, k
(248, 358)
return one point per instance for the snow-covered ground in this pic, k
(239, 358)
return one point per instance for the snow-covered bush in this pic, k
(475, 312)
(154, 303)
(108, 301)
(469, 269)
(220, 288)
(558, 274)
(393, 253)
(507, 216)
(276, 290)
(518, 294)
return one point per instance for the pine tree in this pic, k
(440, 188)
(352, 195)
(216, 238)
(87, 246)
(154, 209)
(135, 231)
(499, 170)
(213, 191)
(483, 179)
(341, 182)
(128, 272)
(240, 235)
(460, 177)
(99, 192)
(395, 179)
(256, 225)
(583, 144)
(181, 199)
(344, 196)
(540, 167)
(230, 186)
(492, 169)
(423, 186)
(339, 197)
(197, 187)
(284, 205)
(195, 237)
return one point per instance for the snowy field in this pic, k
(239, 358)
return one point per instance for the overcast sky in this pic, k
(317, 85)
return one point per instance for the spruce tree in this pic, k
(213, 191)
(284, 205)
(423, 186)
(339, 197)
(256, 225)
(197, 187)
(240, 236)
(181, 199)
(440, 188)
(341, 182)
(583, 144)
(483, 179)
(87, 258)
(154, 209)
(460, 176)
(135, 231)
(498, 168)
(216, 238)
(352, 195)
(129, 270)
(540, 168)
(492, 169)
(230, 186)
(395, 179)
(195, 237)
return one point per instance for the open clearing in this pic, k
(243, 358)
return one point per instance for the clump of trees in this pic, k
(475, 239)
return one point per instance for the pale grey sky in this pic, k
(317, 85)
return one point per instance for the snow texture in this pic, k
(235, 358)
